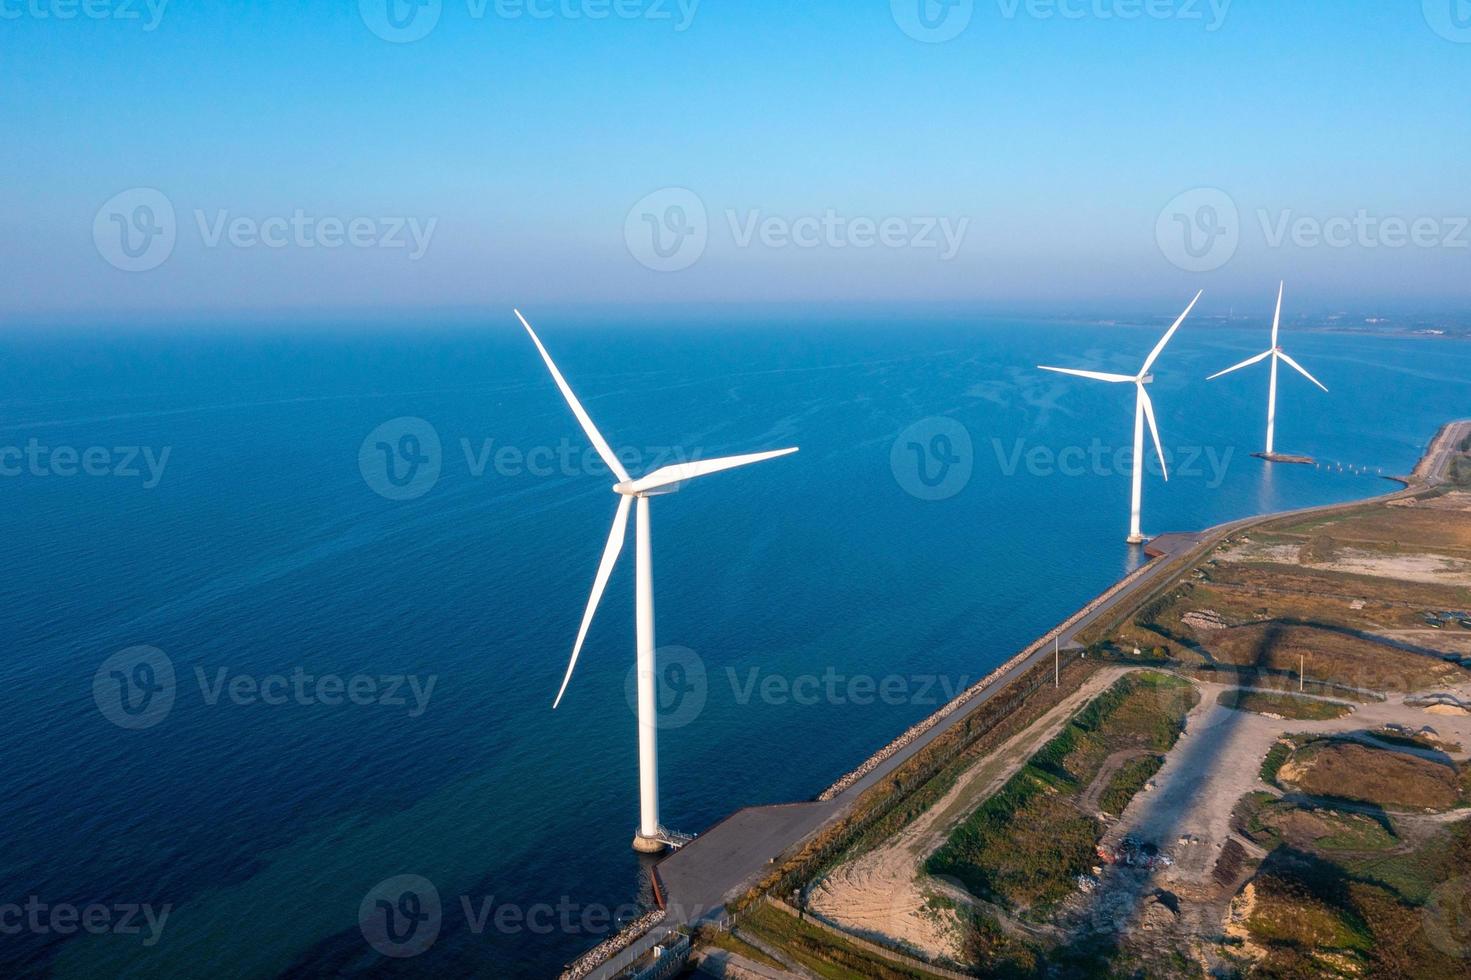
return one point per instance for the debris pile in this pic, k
(1206, 620)
(1131, 852)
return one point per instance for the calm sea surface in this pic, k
(305, 597)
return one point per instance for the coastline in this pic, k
(733, 855)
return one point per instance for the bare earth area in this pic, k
(885, 893)
(1187, 813)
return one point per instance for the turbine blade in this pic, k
(1160, 347)
(1154, 430)
(1095, 375)
(669, 475)
(1277, 320)
(605, 569)
(1302, 370)
(583, 419)
(1246, 363)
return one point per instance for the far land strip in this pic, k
(1256, 764)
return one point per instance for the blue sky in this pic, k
(1053, 140)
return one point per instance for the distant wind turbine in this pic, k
(651, 834)
(1143, 409)
(1276, 353)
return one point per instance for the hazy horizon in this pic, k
(1094, 157)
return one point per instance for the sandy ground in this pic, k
(884, 892)
(1187, 812)
(1430, 569)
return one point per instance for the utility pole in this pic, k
(1057, 661)
(1302, 666)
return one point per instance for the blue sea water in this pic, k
(265, 549)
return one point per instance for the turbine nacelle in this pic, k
(1143, 410)
(628, 489)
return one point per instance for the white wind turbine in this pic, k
(1276, 354)
(1143, 409)
(664, 480)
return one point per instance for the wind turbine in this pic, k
(651, 834)
(1276, 354)
(1143, 409)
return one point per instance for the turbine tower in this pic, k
(651, 835)
(1143, 410)
(1276, 353)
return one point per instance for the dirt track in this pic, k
(884, 892)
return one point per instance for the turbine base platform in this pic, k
(1137, 539)
(649, 845)
(1286, 458)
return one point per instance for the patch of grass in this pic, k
(1350, 770)
(1332, 656)
(1127, 782)
(1317, 917)
(1293, 910)
(732, 943)
(1414, 875)
(1270, 823)
(1280, 752)
(1024, 847)
(821, 952)
(1283, 705)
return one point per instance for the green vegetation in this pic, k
(1317, 917)
(1279, 753)
(914, 787)
(731, 942)
(821, 952)
(1023, 847)
(1361, 773)
(1283, 705)
(1127, 782)
(1271, 822)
